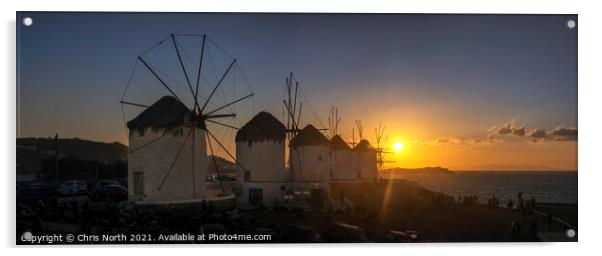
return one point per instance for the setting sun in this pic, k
(398, 146)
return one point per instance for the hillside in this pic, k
(31, 152)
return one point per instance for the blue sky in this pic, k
(450, 75)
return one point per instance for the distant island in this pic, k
(509, 167)
(423, 170)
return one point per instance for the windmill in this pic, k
(360, 131)
(341, 155)
(365, 156)
(380, 149)
(293, 115)
(334, 121)
(169, 138)
(292, 109)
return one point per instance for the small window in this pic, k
(247, 175)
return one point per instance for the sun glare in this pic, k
(398, 146)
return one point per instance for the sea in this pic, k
(544, 186)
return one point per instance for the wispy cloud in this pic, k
(513, 129)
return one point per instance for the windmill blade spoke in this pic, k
(220, 116)
(299, 117)
(226, 150)
(175, 45)
(133, 104)
(229, 104)
(290, 114)
(222, 124)
(218, 84)
(160, 80)
(215, 163)
(198, 76)
(148, 143)
(173, 163)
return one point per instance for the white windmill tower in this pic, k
(341, 155)
(260, 148)
(308, 147)
(365, 157)
(168, 139)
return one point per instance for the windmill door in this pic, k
(256, 196)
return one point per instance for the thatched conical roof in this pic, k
(309, 136)
(337, 143)
(364, 146)
(263, 126)
(166, 113)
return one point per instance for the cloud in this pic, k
(460, 141)
(564, 133)
(537, 135)
(513, 129)
(509, 128)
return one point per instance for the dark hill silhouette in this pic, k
(36, 149)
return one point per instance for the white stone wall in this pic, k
(155, 160)
(311, 163)
(365, 165)
(342, 165)
(265, 160)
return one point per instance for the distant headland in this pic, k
(423, 170)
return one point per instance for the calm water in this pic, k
(550, 187)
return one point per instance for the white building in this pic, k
(310, 156)
(167, 159)
(365, 161)
(260, 149)
(341, 161)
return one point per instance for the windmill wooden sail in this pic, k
(170, 139)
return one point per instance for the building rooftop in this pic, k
(263, 126)
(309, 136)
(164, 114)
(364, 145)
(337, 143)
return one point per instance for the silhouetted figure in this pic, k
(514, 235)
(518, 230)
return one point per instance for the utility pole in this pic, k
(56, 157)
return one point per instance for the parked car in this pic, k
(93, 185)
(340, 232)
(109, 192)
(414, 235)
(71, 188)
(396, 236)
(33, 192)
